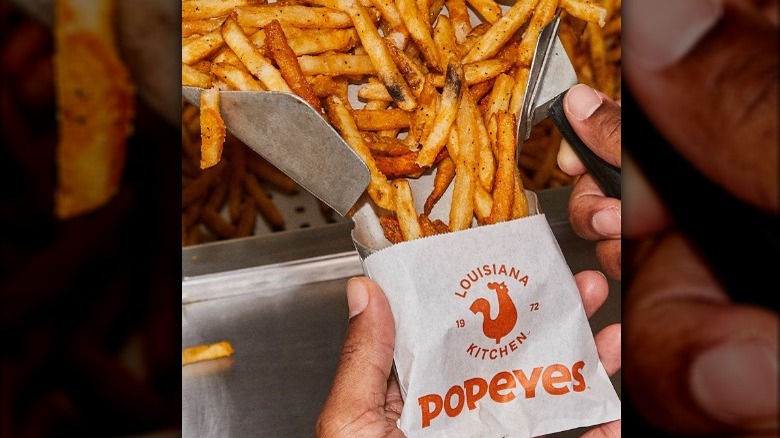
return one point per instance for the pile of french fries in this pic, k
(225, 201)
(438, 92)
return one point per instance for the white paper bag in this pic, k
(491, 336)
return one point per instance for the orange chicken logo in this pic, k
(505, 321)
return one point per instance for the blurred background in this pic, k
(89, 307)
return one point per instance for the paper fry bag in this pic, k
(491, 336)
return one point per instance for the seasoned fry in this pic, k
(503, 192)
(276, 43)
(336, 64)
(236, 78)
(256, 63)
(212, 128)
(193, 77)
(200, 27)
(459, 15)
(267, 209)
(445, 172)
(380, 56)
(94, 99)
(587, 11)
(420, 29)
(462, 209)
(445, 116)
(489, 9)
(292, 15)
(200, 353)
(201, 47)
(391, 228)
(437, 93)
(379, 188)
(405, 211)
(544, 12)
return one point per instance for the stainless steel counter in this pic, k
(280, 300)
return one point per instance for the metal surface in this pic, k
(292, 136)
(286, 318)
(551, 74)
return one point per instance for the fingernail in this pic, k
(582, 101)
(659, 33)
(568, 160)
(607, 222)
(737, 383)
(357, 297)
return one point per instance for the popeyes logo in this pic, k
(493, 295)
(504, 387)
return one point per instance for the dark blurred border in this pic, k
(89, 307)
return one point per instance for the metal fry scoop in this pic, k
(551, 75)
(285, 130)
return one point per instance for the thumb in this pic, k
(705, 73)
(360, 384)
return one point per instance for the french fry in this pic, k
(420, 29)
(391, 228)
(518, 90)
(489, 9)
(586, 11)
(412, 71)
(212, 128)
(201, 47)
(462, 208)
(461, 134)
(270, 174)
(217, 224)
(200, 185)
(459, 15)
(483, 204)
(246, 222)
(336, 64)
(544, 12)
(200, 9)
(445, 172)
(256, 63)
(498, 101)
(200, 353)
(374, 90)
(377, 120)
(405, 210)
(236, 78)
(276, 43)
(503, 191)
(403, 166)
(292, 15)
(95, 106)
(380, 56)
(390, 13)
(432, 228)
(192, 77)
(340, 116)
(495, 37)
(201, 26)
(266, 207)
(445, 116)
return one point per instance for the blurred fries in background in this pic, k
(437, 93)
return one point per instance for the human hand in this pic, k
(705, 74)
(597, 121)
(365, 399)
